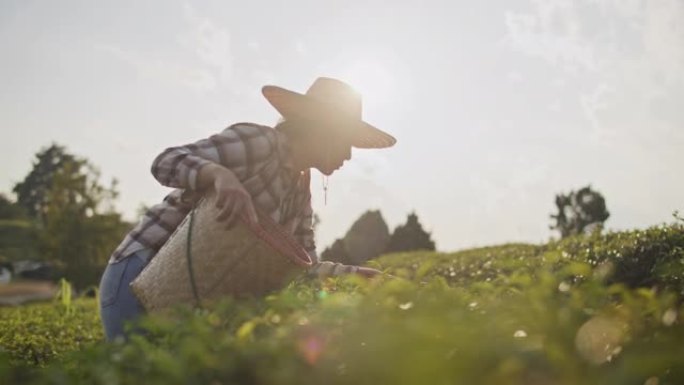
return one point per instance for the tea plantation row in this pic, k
(593, 310)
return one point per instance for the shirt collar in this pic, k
(284, 150)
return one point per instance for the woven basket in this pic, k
(243, 261)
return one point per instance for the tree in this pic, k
(366, 239)
(33, 190)
(410, 236)
(336, 253)
(18, 236)
(81, 227)
(10, 210)
(579, 212)
(78, 227)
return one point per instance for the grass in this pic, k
(593, 310)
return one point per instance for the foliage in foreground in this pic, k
(598, 310)
(39, 333)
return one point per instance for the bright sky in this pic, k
(496, 105)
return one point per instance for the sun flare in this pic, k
(371, 79)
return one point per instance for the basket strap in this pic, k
(188, 254)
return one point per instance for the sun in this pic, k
(371, 79)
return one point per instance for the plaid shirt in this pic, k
(259, 157)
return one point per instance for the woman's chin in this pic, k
(327, 171)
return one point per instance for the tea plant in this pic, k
(36, 334)
(585, 310)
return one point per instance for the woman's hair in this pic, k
(295, 129)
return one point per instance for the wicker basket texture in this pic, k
(243, 261)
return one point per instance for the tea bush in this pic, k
(36, 334)
(593, 310)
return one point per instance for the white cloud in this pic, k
(555, 106)
(663, 39)
(203, 62)
(592, 103)
(211, 44)
(254, 45)
(165, 71)
(300, 47)
(366, 163)
(624, 8)
(620, 57)
(553, 32)
(514, 77)
(598, 35)
(502, 194)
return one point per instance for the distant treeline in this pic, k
(64, 215)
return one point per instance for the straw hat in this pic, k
(202, 261)
(329, 100)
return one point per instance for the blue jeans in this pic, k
(118, 304)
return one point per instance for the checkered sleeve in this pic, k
(325, 269)
(238, 148)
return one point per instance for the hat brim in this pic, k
(292, 104)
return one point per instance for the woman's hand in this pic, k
(368, 272)
(231, 197)
(325, 269)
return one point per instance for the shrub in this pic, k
(563, 313)
(36, 334)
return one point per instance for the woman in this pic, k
(247, 166)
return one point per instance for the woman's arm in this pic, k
(218, 162)
(304, 234)
(231, 196)
(238, 148)
(179, 166)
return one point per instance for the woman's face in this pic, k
(331, 152)
(322, 148)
